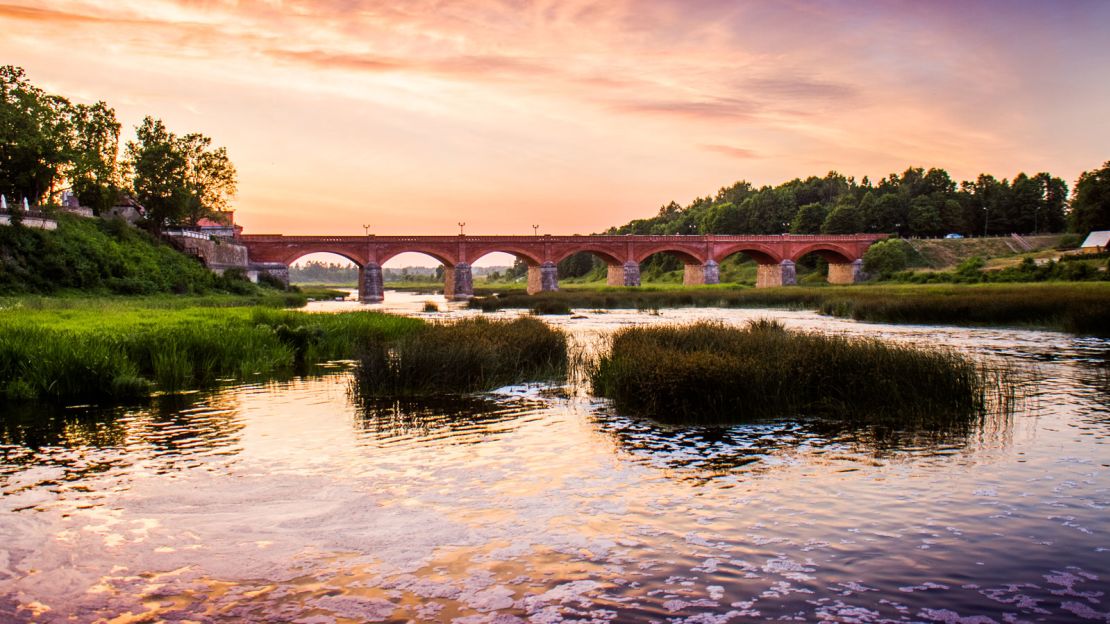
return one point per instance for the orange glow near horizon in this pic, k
(575, 115)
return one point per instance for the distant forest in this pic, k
(915, 203)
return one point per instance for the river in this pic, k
(293, 501)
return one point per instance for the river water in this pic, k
(293, 501)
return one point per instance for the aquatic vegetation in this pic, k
(710, 372)
(128, 352)
(1076, 307)
(550, 307)
(465, 356)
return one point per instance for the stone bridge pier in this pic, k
(371, 285)
(543, 277)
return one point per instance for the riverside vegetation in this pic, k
(1082, 308)
(712, 373)
(464, 356)
(121, 350)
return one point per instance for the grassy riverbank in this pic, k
(1078, 307)
(469, 355)
(713, 373)
(91, 349)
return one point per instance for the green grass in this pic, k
(465, 356)
(1080, 307)
(110, 349)
(712, 373)
(103, 257)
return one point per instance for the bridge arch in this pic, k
(529, 256)
(606, 255)
(831, 253)
(762, 254)
(437, 255)
(296, 253)
(684, 253)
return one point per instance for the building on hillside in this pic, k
(1097, 242)
(127, 209)
(223, 226)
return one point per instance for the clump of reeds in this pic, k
(1076, 307)
(550, 307)
(128, 353)
(710, 372)
(466, 356)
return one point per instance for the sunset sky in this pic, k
(576, 115)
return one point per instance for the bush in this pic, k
(887, 257)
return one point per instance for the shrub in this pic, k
(887, 257)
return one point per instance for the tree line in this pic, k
(918, 202)
(51, 146)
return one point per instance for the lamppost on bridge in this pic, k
(536, 230)
(462, 224)
(366, 228)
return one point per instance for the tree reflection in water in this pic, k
(701, 452)
(450, 419)
(169, 433)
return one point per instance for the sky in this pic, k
(576, 115)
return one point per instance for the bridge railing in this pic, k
(685, 238)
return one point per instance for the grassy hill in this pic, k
(98, 256)
(946, 253)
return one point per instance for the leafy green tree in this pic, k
(887, 257)
(35, 135)
(577, 264)
(808, 219)
(726, 218)
(845, 218)
(769, 211)
(210, 178)
(157, 168)
(94, 169)
(924, 217)
(178, 179)
(1090, 205)
(952, 217)
(887, 214)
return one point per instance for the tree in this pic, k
(887, 257)
(808, 219)
(178, 179)
(157, 168)
(94, 169)
(1090, 205)
(34, 133)
(886, 214)
(210, 178)
(724, 218)
(925, 217)
(844, 218)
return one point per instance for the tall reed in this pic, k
(81, 353)
(1082, 308)
(465, 356)
(709, 372)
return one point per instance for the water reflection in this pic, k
(465, 419)
(46, 445)
(299, 502)
(701, 452)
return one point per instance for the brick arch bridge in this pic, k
(775, 255)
